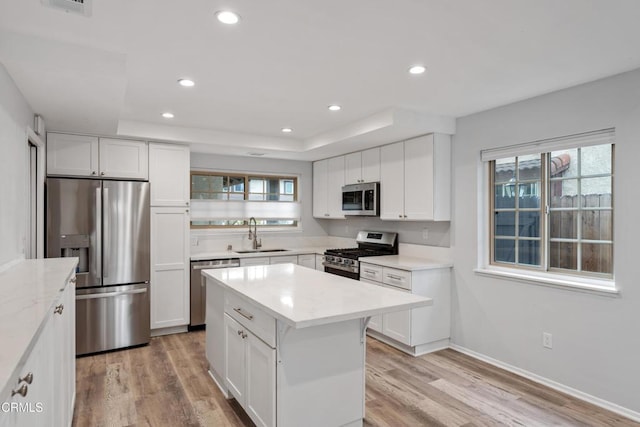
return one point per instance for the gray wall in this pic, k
(596, 342)
(15, 116)
(310, 227)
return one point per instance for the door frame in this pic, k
(34, 139)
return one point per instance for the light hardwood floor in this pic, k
(166, 384)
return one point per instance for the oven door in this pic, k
(343, 273)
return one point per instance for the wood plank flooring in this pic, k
(166, 384)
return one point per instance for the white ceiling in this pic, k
(115, 72)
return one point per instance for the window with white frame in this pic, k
(551, 205)
(223, 200)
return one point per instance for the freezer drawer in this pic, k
(111, 317)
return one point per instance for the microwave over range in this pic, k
(361, 199)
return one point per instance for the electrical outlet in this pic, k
(194, 241)
(547, 340)
(425, 234)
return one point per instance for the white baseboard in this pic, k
(168, 331)
(415, 351)
(224, 390)
(635, 416)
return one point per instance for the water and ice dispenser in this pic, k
(76, 245)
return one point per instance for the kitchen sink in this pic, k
(251, 251)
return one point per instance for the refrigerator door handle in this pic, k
(110, 294)
(106, 236)
(98, 246)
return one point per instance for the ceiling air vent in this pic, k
(80, 7)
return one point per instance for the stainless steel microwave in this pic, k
(361, 199)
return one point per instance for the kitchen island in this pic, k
(288, 342)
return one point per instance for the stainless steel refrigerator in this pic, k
(106, 225)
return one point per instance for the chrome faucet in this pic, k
(254, 235)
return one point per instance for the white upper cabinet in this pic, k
(74, 155)
(169, 174)
(371, 165)
(392, 181)
(328, 179)
(90, 156)
(320, 189)
(363, 166)
(415, 179)
(353, 168)
(335, 182)
(122, 158)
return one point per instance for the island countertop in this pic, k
(302, 297)
(28, 292)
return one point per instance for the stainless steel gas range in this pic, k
(345, 262)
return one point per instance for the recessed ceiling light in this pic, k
(168, 115)
(287, 130)
(186, 83)
(227, 17)
(335, 107)
(417, 69)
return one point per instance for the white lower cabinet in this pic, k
(169, 289)
(397, 325)
(261, 381)
(307, 260)
(45, 385)
(246, 262)
(250, 373)
(284, 259)
(282, 375)
(320, 262)
(419, 330)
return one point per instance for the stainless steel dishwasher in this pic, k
(199, 290)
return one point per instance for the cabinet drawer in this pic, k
(397, 278)
(371, 272)
(251, 317)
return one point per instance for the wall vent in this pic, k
(80, 7)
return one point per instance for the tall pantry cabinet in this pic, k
(169, 168)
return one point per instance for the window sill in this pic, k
(578, 284)
(244, 230)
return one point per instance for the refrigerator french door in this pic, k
(106, 225)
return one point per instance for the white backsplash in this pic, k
(212, 242)
(205, 243)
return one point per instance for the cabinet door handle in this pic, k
(73, 279)
(243, 314)
(244, 335)
(187, 203)
(405, 216)
(27, 378)
(22, 391)
(101, 173)
(58, 309)
(239, 332)
(370, 271)
(399, 216)
(394, 277)
(93, 172)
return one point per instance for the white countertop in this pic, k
(302, 297)
(406, 262)
(264, 252)
(28, 292)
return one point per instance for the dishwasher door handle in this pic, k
(209, 267)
